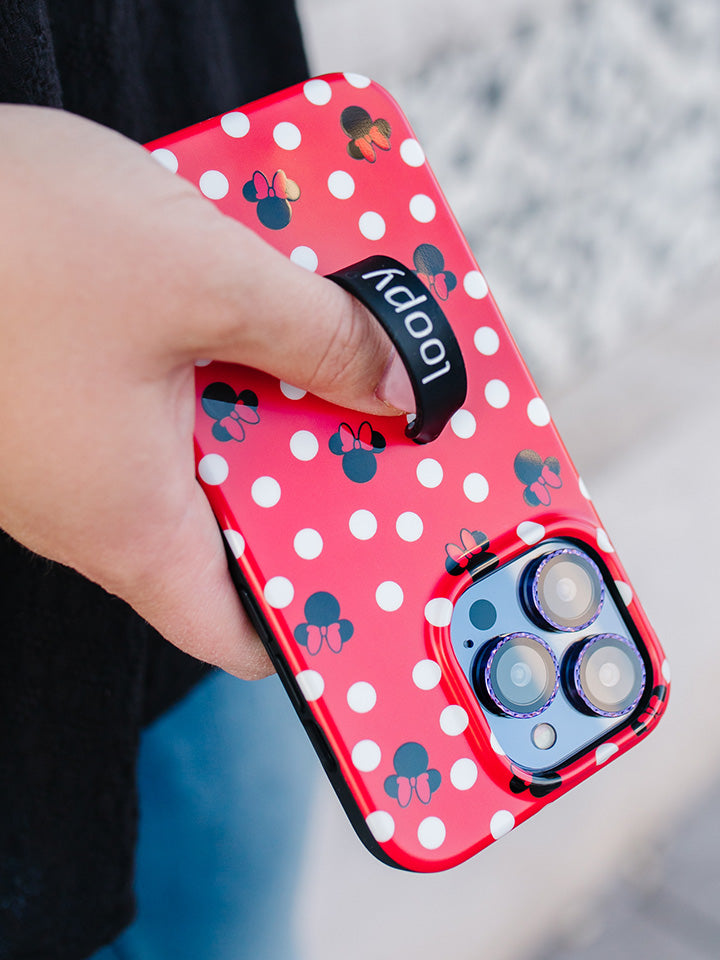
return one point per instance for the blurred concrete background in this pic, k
(579, 145)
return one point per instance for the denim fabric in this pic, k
(225, 781)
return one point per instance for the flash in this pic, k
(544, 736)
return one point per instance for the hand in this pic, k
(115, 276)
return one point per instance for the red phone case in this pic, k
(350, 542)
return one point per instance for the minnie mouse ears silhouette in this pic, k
(421, 334)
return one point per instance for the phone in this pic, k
(448, 617)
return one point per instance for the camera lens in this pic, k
(517, 675)
(605, 675)
(564, 589)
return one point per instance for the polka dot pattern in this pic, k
(389, 596)
(356, 569)
(426, 674)
(409, 526)
(603, 541)
(341, 185)
(371, 225)
(363, 525)
(213, 469)
(381, 825)
(287, 136)
(431, 833)
(429, 473)
(279, 592)
(366, 756)
(266, 492)
(357, 80)
(305, 257)
(235, 124)
(454, 720)
(166, 158)
(501, 824)
(463, 424)
(439, 612)
(308, 543)
(412, 153)
(304, 445)
(311, 683)
(236, 542)
(214, 184)
(497, 394)
(318, 92)
(361, 697)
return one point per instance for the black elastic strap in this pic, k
(420, 332)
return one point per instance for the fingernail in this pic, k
(395, 388)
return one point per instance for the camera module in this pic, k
(517, 675)
(564, 590)
(604, 675)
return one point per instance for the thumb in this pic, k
(270, 314)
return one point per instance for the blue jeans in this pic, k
(225, 781)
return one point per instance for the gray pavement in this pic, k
(589, 136)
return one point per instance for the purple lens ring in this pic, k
(495, 652)
(536, 599)
(585, 652)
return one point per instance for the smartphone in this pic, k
(448, 617)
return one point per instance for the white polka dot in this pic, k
(308, 543)
(604, 752)
(292, 393)
(235, 124)
(412, 153)
(429, 473)
(381, 825)
(538, 412)
(666, 672)
(603, 541)
(305, 257)
(583, 489)
(363, 525)
(265, 491)
(361, 697)
(453, 720)
(474, 285)
(236, 542)
(372, 225)
(213, 469)
(279, 592)
(426, 674)
(214, 184)
(463, 424)
(463, 774)
(304, 445)
(357, 80)
(486, 341)
(318, 92)
(389, 596)
(341, 185)
(501, 823)
(409, 526)
(166, 158)
(439, 611)
(431, 833)
(366, 756)
(311, 684)
(497, 394)
(530, 532)
(287, 136)
(495, 744)
(476, 487)
(202, 363)
(625, 591)
(422, 208)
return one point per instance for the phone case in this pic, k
(351, 544)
